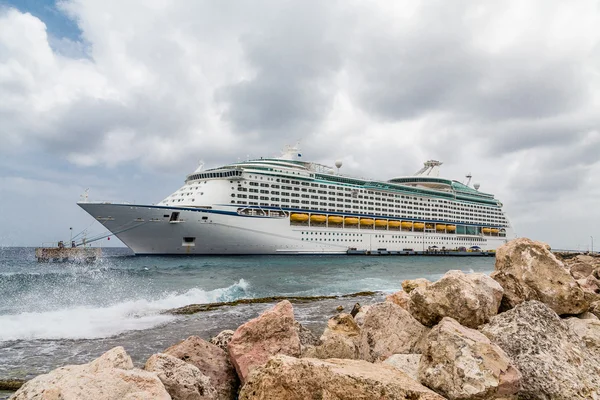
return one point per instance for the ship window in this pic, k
(189, 239)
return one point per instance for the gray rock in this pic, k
(462, 363)
(553, 360)
(183, 381)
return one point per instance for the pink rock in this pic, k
(211, 360)
(274, 332)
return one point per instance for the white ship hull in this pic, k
(150, 230)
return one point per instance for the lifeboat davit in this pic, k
(299, 217)
(351, 221)
(487, 230)
(334, 219)
(366, 221)
(407, 224)
(394, 224)
(318, 218)
(450, 228)
(419, 225)
(381, 222)
(440, 227)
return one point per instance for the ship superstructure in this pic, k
(288, 206)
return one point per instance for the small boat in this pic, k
(334, 219)
(395, 224)
(318, 218)
(299, 217)
(351, 221)
(419, 226)
(381, 222)
(407, 224)
(366, 221)
(440, 227)
(494, 230)
(450, 228)
(487, 230)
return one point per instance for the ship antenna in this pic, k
(469, 176)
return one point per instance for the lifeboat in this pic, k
(429, 226)
(407, 224)
(318, 218)
(381, 222)
(351, 221)
(487, 230)
(299, 217)
(366, 221)
(394, 224)
(495, 230)
(419, 225)
(440, 227)
(334, 219)
(450, 228)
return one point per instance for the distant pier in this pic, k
(442, 253)
(68, 254)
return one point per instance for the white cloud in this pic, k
(507, 90)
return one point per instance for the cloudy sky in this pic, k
(124, 97)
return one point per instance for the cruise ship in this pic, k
(285, 205)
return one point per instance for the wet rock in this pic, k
(306, 378)
(471, 299)
(407, 363)
(527, 270)
(222, 339)
(211, 360)
(553, 360)
(274, 332)
(339, 340)
(462, 363)
(355, 310)
(389, 329)
(111, 377)
(339, 308)
(411, 284)
(400, 298)
(183, 381)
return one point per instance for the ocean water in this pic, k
(52, 314)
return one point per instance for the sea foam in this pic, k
(100, 322)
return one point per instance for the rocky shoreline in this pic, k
(530, 330)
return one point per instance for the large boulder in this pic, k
(183, 381)
(389, 329)
(407, 363)
(110, 377)
(308, 378)
(591, 288)
(274, 332)
(462, 363)
(527, 270)
(339, 340)
(211, 360)
(471, 299)
(553, 360)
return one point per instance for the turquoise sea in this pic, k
(53, 314)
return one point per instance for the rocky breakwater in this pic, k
(527, 332)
